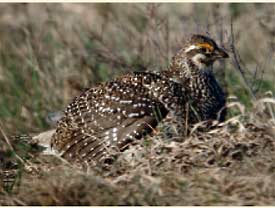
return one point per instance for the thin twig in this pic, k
(10, 145)
(237, 62)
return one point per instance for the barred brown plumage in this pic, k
(116, 113)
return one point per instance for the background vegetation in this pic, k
(51, 52)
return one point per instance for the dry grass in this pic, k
(232, 164)
(68, 47)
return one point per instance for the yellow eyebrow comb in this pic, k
(206, 45)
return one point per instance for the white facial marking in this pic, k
(197, 60)
(192, 47)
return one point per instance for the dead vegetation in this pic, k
(231, 164)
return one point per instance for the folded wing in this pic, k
(114, 114)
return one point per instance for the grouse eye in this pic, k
(204, 50)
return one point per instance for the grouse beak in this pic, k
(220, 53)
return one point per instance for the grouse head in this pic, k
(200, 52)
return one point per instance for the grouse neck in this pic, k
(186, 69)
